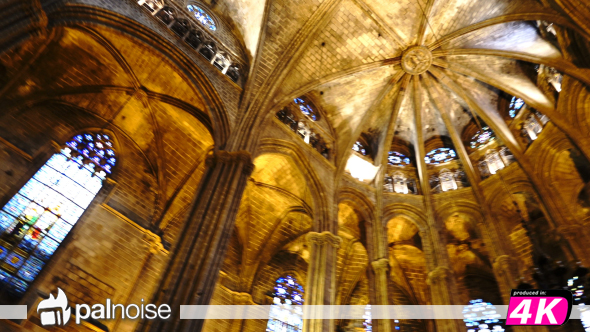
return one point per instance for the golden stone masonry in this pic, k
(337, 152)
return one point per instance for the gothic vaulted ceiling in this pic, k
(373, 65)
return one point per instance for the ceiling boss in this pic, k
(416, 60)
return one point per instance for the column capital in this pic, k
(242, 298)
(154, 242)
(439, 274)
(226, 157)
(380, 265)
(502, 261)
(505, 265)
(323, 238)
(570, 232)
(38, 16)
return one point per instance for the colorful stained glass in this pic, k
(4, 277)
(306, 108)
(482, 137)
(5, 221)
(516, 105)
(14, 260)
(284, 316)
(202, 17)
(3, 251)
(59, 230)
(17, 286)
(30, 270)
(368, 323)
(397, 159)
(360, 148)
(46, 249)
(440, 155)
(481, 316)
(35, 221)
(16, 205)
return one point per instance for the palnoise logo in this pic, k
(55, 311)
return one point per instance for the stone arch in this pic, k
(292, 258)
(321, 209)
(364, 208)
(408, 258)
(469, 255)
(284, 262)
(162, 47)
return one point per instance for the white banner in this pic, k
(340, 311)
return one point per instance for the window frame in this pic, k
(41, 158)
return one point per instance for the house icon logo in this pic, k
(55, 311)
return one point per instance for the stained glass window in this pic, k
(532, 127)
(306, 108)
(399, 183)
(440, 155)
(481, 316)
(447, 180)
(516, 104)
(576, 286)
(202, 17)
(286, 312)
(482, 137)
(397, 159)
(360, 148)
(37, 219)
(494, 161)
(367, 323)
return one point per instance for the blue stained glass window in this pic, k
(202, 17)
(368, 323)
(440, 155)
(516, 105)
(397, 159)
(360, 148)
(283, 315)
(39, 217)
(306, 108)
(482, 137)
(481, 316)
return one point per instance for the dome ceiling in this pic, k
(372, 65)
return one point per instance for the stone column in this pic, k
(578, 10)
(28, 20)
(444, 292)
(506, 274)
(321, 277)
(380, 268)
(240, 299)
(576, 236)
(194, 266)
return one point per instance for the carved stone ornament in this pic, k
(380, 265)
(154, 242)
(322, 238)
(438, 274)
(242, 299)
(416, 60)
(225, 157)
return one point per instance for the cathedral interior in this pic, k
(315, 152)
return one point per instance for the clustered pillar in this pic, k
(321, 277)
(194, 267)
(380, 267)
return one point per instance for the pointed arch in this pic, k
(39, 217)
